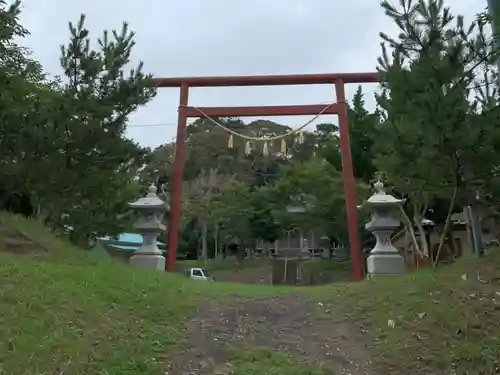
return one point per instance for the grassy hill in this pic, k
(63, 311)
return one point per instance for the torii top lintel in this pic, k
(269, 80)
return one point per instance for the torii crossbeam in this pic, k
(339, 109)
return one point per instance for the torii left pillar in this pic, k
(175, 209)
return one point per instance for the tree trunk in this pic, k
(240, 254)
(216, 240)
(204, 250)
(445, 229)
(423, 236)
(411, 231)
(476, 229)
(43, 215)
(470, 235)
(451, 241)
(333, 245)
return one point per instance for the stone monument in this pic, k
(384, 258)
(150, 210)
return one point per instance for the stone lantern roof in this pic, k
(149, 202)
(381, 198)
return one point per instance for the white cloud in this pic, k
(221, 37)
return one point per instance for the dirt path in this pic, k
(288, 322)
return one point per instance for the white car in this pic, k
(199, 274)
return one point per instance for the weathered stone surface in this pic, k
(150, 210)
(384, 258)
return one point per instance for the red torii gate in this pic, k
(340, 109)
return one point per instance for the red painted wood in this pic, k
(340, 108)
(269, 80)
(357, 261)
(178, 169)
(277, 110)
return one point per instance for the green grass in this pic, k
(319, 265)
(64, 311)
(88, 319)
(267, 362)
(324, 271)
(443, 324)
(227, 264)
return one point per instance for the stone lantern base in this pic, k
(151, 261)
(385, 264)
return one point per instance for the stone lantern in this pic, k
(384, 258)
(150, 210)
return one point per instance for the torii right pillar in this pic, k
(357, 261)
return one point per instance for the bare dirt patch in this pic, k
(258, 275)
(16, 242)
(287, 323)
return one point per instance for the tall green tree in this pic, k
(25, 102)
(434, 141)
(317, 188)
(90, 168)
(202, 198)
(363, 126)
(234, 211)
(247, 214)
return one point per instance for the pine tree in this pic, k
(22, 99)
(439, 87)
(362, 129)
(91, 173)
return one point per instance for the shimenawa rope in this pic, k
(249, 138)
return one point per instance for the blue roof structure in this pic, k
(126, 237)
(127, 248)
(130, 241)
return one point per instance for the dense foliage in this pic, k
(63, 140)
(432, 134)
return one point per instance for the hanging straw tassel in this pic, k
(283, 146)
(301, 137)
(248, 148)
(265, 149)
(230, 142)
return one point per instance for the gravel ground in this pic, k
(287, 322)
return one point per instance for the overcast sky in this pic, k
(227, 37)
